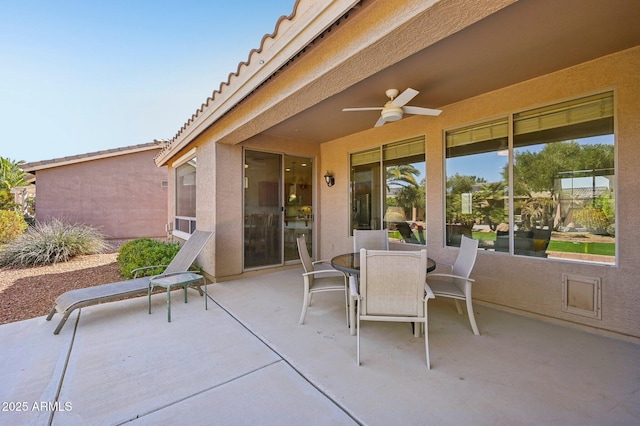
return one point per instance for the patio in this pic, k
(247, 361)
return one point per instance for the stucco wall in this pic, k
(219, 196)
(121, 195)
(529, 285)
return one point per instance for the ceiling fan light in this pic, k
(392, 114)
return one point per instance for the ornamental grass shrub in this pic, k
(12, 225)
(52, 242)
(145, 252)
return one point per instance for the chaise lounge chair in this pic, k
(71, 300)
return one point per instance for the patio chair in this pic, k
(457, 284)
(370, 239)
(392, 288)
(71, 300)
(319, 280)
(407, 234)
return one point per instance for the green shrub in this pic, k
(145, 252)
(52, 242)
(12, 225)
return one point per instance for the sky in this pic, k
(84, 76)
(490, 165)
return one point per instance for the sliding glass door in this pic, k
(277, 207)
(298, 202)
(262, 209)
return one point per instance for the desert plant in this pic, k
(12, 225)
(594, 219)
(145, 252)
(52, 242)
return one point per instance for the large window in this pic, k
(557, 171)
(185, 220)
(388, 190)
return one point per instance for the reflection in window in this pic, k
(185, 220)
(477, 181)
(564, 180)
(399, 204)
(366, 190)
(563, 189)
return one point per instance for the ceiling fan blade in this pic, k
(380, 122)
(404, 97)
(363, 109)
(421, 111)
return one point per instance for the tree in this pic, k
(11, 176)
(402, 175)
(491, 199)
(537, 171)
(409, 194)
(412, 196)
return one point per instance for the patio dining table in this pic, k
(349, 263)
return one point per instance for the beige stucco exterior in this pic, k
(530, 286)
(122, 195)
(527, 284)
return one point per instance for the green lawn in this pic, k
(605, 249)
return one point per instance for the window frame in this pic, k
(190, 159)
(381, 158)
(607, 98)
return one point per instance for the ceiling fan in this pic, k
(395, 107)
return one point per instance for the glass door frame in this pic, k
(298, 202)
(292, 205)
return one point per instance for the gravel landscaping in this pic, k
(30, 292)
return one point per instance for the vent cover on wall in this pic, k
(582, 295)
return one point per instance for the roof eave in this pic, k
(65, 161)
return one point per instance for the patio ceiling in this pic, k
(520, 42)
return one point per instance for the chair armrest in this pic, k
(333, 272)
(317, 262)
(135, 271)
(450, 276)
(447, 265)
(172, 274)
(428, 293)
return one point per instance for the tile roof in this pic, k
(241, 70)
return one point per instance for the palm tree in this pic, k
(11, 175)
(403, 175)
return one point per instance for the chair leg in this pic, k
(149, 290)
(358, 342)
(346, 301)
(426, 342)
(352, 315)
(305, 302)
(472, 317)
(206, 295)
(168, 304)
(353, 303)
(63, 321)
(425, 325)
(52, 313)
(458, 307)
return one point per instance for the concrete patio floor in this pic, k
(247, 361)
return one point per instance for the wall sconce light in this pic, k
(328, 177)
